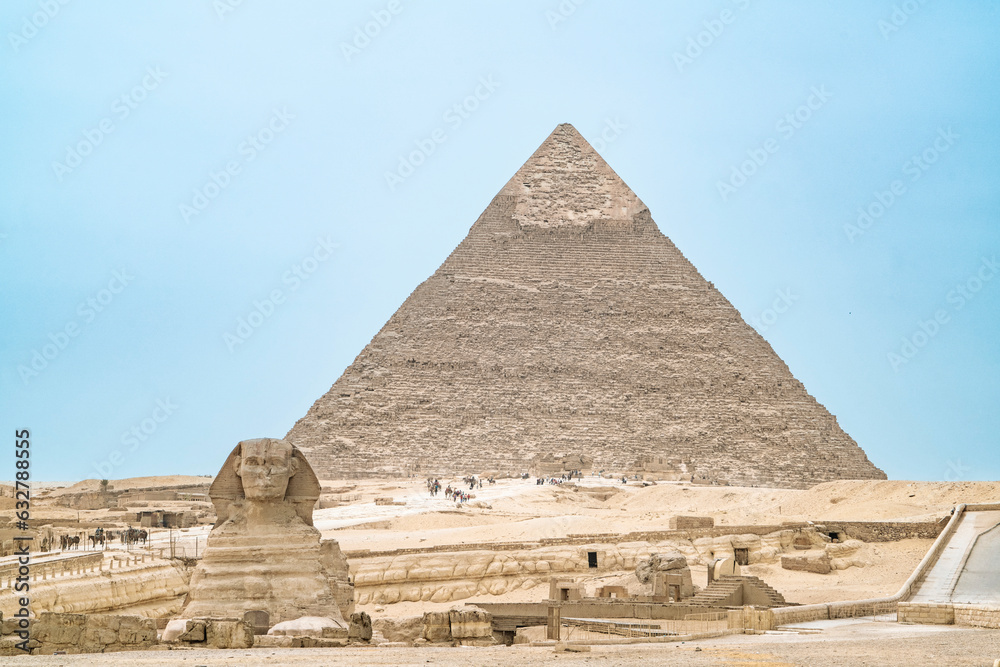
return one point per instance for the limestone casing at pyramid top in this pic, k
(566, 182)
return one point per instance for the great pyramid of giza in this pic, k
(567, 324)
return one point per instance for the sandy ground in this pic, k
(829, 644)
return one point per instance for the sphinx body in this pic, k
(264, 553)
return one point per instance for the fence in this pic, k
(67, 566)
(644, 628)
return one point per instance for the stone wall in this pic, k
(89, 633)
(947, 613)
(801, 614)
(884, 531)
(980, 616)
(927, 613)
(689, 522)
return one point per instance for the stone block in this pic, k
(136, 630)
(311, 626)
(471, 622)
(396, 630)
(612, 592)
(360, 628)
(60, 628)
(560, 589)
(691, 522)
(194, 631)
(81, 633)
(11, 625)
(228, 633)
(437, 626)
(817, 563)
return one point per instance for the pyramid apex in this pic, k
(566, 183)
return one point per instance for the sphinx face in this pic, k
(265, 469)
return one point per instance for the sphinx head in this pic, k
(265, 466)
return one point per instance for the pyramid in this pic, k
(567, 324)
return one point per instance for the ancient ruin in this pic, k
(264, 555)
(565, 438)
(567, 323)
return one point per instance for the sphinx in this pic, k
(264, 554)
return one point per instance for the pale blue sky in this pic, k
(113, 115)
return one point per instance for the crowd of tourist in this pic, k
(458, 494)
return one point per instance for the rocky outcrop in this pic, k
(832, 556)
(660, 562)
(360, 629)
(131, 583)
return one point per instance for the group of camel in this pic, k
(102, 537)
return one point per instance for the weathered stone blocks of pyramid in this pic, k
(566, 323)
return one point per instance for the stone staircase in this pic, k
(732, 591)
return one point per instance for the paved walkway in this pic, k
(943, 579)
(979, 582)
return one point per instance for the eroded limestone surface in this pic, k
(567, 323)
(264, 553)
